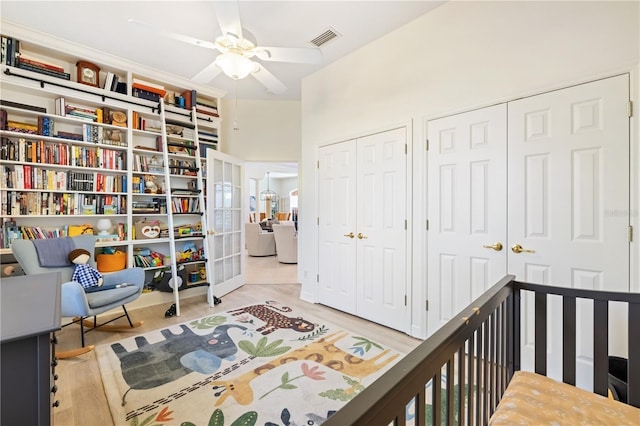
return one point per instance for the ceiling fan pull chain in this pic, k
(235, 122)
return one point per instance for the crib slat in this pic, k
(479, 373)
(600, 346)
(461, 384)
(514, 329)
(633, 375)
(472, 381)
(421, 407)
(450, 382)
(492, 364)
(541, 333)
(437, 398)
(569, 340)
(486, 368)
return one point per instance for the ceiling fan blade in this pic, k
(305, 55)
(209, 72)
(228, 15)
(157, 30)
(268, 80)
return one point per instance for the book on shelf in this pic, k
(190, 98)
(145, 94)
(121, 87)
(147, 83)
(3, 49)
(19, 105)
(148, 87)
(204, 109)
(17, 126)
(46, 71)
(27, 60)
(102, 238)
(207, 102)
(12, 50)
(45, 126)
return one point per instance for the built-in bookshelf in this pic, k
(73, 152)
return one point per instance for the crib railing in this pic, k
(602, 301)
(471, 352)
(459, 374)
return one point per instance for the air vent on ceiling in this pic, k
(325, 37)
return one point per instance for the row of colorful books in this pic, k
(17, 203)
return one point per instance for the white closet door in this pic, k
(337, 226)
(225, 235)
(381, 233)
(569, 201)
(467, 209)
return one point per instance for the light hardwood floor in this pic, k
(80, 391)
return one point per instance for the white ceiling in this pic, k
(103, 25)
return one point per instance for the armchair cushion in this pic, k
(286, 243)
(259, 243)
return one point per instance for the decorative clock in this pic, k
(119, 119)
(88, 73)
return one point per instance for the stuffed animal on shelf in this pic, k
(85, 274)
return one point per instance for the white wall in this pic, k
(460, 56)
(267, 130)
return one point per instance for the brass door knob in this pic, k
(350, 235)
(517, 248)
(361, 236)
(497, 246)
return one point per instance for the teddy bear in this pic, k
(85, 274)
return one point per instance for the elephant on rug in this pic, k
(155, 364)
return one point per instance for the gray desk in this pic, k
(30, 313)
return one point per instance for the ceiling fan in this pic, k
(237, 47)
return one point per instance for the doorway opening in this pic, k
(280, 179)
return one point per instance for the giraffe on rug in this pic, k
(322, 351)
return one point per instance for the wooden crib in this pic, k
(463, 373)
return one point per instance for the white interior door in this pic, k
(467, 209)
(381, 234)
(569, 202)
(337, 226)
(225, 235)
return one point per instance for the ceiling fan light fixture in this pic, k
(235, 65)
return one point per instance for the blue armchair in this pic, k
(78, 304)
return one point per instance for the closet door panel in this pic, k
(569, 203)
(381, 234)
(466, 209)
(337, 226)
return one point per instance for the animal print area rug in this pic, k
(254, 365)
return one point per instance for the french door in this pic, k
(225, 236)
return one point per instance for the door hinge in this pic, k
(405, 224)
(318, 164)
(405, 300)
(427, 224)
(318, 221)
(318, 278)
(405, 149)
(427, 145)
(630, 233)
(426, 305)
(630, 109)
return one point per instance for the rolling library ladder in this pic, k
(184, 172)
